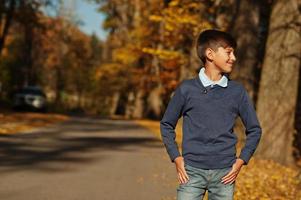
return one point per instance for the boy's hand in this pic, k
(231, 176)
(182, 175)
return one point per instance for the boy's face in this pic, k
(223, 59)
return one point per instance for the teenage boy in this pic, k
(209, 104)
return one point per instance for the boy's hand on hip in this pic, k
(231, 176)
(182, 175)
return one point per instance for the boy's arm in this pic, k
(253, 130)
(169, 121)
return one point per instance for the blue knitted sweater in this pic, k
(209, 114)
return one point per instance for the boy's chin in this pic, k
(227, 69)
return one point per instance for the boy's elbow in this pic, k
(166, 127)
(259, 130)
(163, 127)
(256, 134)
(259, 133)
(164, 123)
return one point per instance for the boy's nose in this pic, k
(233, 57)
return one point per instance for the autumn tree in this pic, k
(12, 11)
(154, 41)
(18, 22)
(68, 62)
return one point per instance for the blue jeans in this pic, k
(201, 180)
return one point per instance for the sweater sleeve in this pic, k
(169, 121)
(253, 130)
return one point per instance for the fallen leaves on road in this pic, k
(259, 180)
(11, 123)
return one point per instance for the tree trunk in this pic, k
(245, 31)
(58, 86)
(138, 110)
(114, 103)
(7, 21)
(244, 28)
(129, 107)
(155, 103)
(279, 83)
(154, 99)
(297, 139)
(28, 57)
(194, 63)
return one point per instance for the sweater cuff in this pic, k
(173, 155)
(245, 157)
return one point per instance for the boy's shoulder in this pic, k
(235, 84)
(187, 84)
(236, 88)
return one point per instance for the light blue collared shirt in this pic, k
(223, 82)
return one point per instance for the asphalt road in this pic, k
(86, 159)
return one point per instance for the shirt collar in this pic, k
(223, 82)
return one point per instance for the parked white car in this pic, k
(31, 97)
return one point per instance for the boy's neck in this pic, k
(213, 73)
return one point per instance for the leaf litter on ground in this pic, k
(13, 122)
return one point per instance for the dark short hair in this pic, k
(213, 39)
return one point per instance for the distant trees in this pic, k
(18, 21)
(64, 53)
(153, 41)
(22, 12)
(51, 52)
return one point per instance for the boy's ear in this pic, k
(209, 54)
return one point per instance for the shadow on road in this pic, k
(78, 141)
